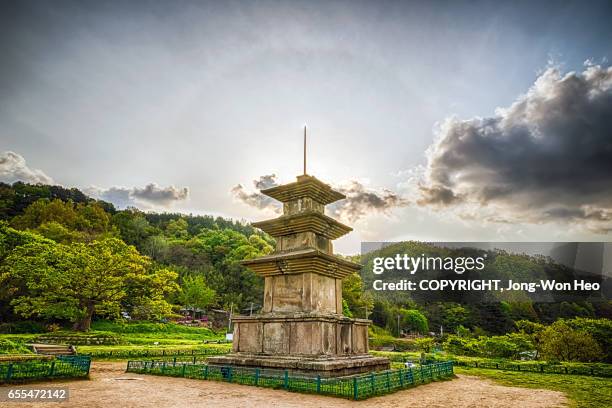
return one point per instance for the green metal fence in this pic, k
(59, 367)
(353, 387)
(540, 368)
(145, 353)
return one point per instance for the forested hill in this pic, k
(189, 245)
(14, 199)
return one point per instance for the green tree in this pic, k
(196, 294)
(534, 332)
(561, 342)
(600, 329)
(413, 321)
(454, 315)
(60, 220)
(177, 229)
(382, 313)
(58, 233)
(357, 299)
(133, 227)
(74, 282)
(13, 286)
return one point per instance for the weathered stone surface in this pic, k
(250, 337)
(298, 365)
(276, 337)
(301, 327)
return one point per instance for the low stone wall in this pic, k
(81, 340)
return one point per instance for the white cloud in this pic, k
(13, 167)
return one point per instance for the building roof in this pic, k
(302, 261)
(306, 221)
(305, 186)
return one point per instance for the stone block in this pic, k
(276, 338)
(250, 337)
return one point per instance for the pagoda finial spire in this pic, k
(304, 149)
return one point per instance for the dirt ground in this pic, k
(110, 386)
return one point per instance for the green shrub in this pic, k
(13, 347)
(506, 346)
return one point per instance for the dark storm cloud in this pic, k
(546, 157)
(149, 195)
(360, 200)
(13, 167)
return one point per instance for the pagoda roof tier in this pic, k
(305, 186)
(307, 221)
(307, 260)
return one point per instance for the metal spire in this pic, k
(304, 149)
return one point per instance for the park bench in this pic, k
(53, 349)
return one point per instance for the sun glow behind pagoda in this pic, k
(301, 327)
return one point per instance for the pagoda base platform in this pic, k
(324, 366)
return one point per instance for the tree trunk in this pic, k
(85, 323)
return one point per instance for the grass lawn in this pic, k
(582, 390)
(127, 338)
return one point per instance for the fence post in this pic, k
(431, 372)
(318, 384)
(257, 376)
(286, 379)
(422, 377)
(9, 372)
(401, 377)
(411, 376)
(194, 360)
(388, 382)
(183, 373)
(355, 389)
(231, 369)
(206, 372)
(372, 383)
(52, 368)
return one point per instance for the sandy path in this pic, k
(112, 387)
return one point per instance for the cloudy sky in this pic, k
(454, 121)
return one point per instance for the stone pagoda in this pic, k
(301, 326)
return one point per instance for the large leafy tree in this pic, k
(560, 341)
(13, 286)
(76, 281)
